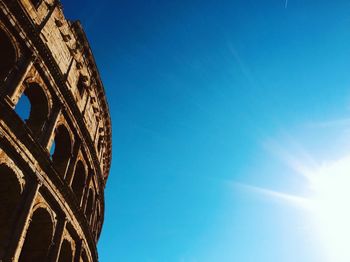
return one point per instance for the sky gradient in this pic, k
(216, 106)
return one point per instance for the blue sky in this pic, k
(216, 106)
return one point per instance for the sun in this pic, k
(328, 204)
(330, 209)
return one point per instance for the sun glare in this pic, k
(330, 207)
(327, 203)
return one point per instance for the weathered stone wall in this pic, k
(54, 162)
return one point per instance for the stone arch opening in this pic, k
(81, 86)
(90, 204)
(8, 55)
(36, 3)
(38, 238)
(63, 149)
(10, 193)
(79, 180)
(38, 109)
(100, 143)
(23, 108)
(66, 253)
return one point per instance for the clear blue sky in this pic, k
(209, 101)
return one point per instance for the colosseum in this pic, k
(55, 136)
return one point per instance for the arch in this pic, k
(66, 253)
(38, 238)
(38, 109)
(89, 205)
(36, 3)
(10, 193)
(63, 149)
(8, 55)
(79, 180)
(81, 86)
(100, 143)
(23, 107)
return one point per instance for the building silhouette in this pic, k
(55, 136)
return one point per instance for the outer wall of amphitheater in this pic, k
(55, 136)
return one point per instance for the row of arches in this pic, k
(40, 232)
(34, 106)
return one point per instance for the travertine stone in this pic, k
(54, 163)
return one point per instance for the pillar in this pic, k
(73, 160)
(16, 79)
(23, 219)
(50, 125)
(57, 239)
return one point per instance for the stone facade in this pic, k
(54, 163)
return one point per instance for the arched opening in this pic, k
(10, 193)
(89, 205)
(52, 149)
(63, 149)
(8, 55)
(66, 253)
(33, 107)
(100, 143)
(78, 182)
(36, 3)
(81, 86)
(38, 238)
(40, 108)
(23, 108)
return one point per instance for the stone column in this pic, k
(78, 249)
(73, 160)
(16, 79)
(50, 125)
(86, 191)
(55, 248)
(85, 106)
(23, 219)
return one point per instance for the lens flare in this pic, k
(328, 204)
(330, 207)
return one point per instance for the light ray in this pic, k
(328, 204)
(292, 199)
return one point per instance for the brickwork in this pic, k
(54, 162)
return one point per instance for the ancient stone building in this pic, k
(55, 136)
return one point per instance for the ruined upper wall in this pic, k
(72, 53)
(59, 150)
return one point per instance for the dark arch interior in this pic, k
(81, 87)
(38, 238)
(33, 105)
(66, 253)
(40, 109)
(79, 180)
(99, 145)
(89, 205)
(62, 151)
(10, 193)
(8, 55)
(36, 3)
